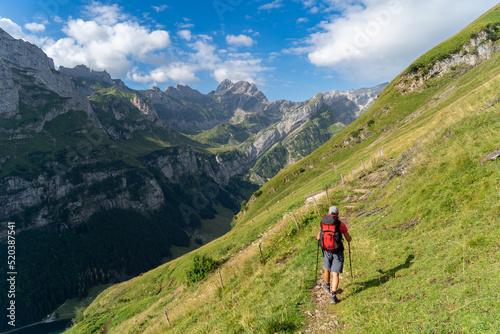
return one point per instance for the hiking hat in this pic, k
(333, 211)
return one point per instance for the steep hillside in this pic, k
(416, 178)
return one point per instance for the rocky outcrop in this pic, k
(83, 72)
(179, 162)
(241, 95)
(473, 53)
(29, 75)
(346, 106)
(79, 199)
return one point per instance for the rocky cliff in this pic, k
(479, 49)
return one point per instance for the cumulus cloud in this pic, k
(34, 27)
(178, 72)
(240, 40)
(379, 38)
(240, 67)
(205, 56)
(16, 31)
(11, 28)
(106, 43)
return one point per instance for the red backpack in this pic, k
(331, 237)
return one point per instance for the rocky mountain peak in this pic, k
(223, 87)
(244, 87)
(23, 54)
(82, 71)
(183, 92)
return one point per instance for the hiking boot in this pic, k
(326, 287)
(334, 300)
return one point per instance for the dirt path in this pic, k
(323, 318)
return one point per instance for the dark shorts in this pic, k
(333, 261)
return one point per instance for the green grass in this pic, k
(224, 134)
(490, 20)
(426, 262)
(67, 310)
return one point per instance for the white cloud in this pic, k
(185, 34)
(17, 32)
(205, 57)
(378, 38)
(178, 72)
(11, 28)
(34, 27)
(302, 20)
(272, 5)
(240, 67)
(240, 40)
(159, 8)
(251, 32)
(105, 15)
(106, 43)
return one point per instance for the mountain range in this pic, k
(89, 167)
(415, 178)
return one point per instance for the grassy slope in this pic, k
(428, 262)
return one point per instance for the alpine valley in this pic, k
(104, 182)
(416, 178)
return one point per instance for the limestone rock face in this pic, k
(473, 53)
(178, 162)
(24, 65)
(346, 106)
(240, 96)
(82, 71)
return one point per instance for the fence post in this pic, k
(220, 278)
(317, 208)
(343, 184)
(296, 224)
(261, 256)
(327, 197)
(363, 164)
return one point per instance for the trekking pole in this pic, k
(350, 263)
(317, 255)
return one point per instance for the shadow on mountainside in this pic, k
(386, 276)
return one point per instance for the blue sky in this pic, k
(291, 49)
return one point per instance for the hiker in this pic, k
(330, 239)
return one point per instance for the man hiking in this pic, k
(330, 239)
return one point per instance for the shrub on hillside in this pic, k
(200, 268)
